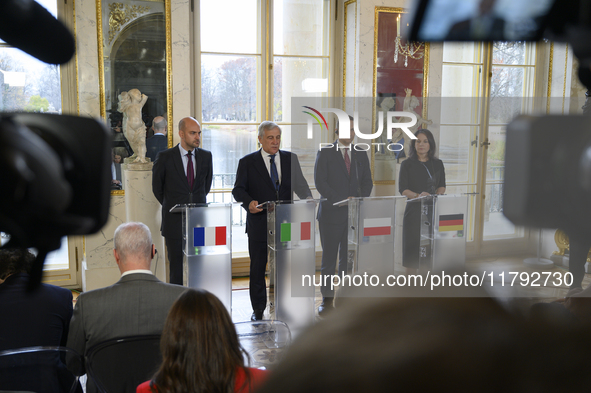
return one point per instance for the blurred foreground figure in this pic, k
(433, 345)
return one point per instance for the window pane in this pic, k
(461, 52)
(456, 150)
(230, 26)
(297, 77)
(495, 223)
(495, 170)
(301, 28)
(229, 88)
(29, 84)
(506, 94)
(227, 145)
(509, 53)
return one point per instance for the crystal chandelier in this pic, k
(414, 50)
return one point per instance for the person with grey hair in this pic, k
(268, 174)
(136, 305)
(181, 174)
(157, 142)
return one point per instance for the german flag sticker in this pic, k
(451, 222)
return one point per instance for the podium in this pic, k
(372, 223)
(207, 245)
(291, 241)
(443, 232)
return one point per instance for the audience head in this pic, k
(15, 260)
(431, 344)
(133, 248)
(270, 136)
(430, 139)
(199, 345)
(159, 125)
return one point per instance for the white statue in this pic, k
(410, 103)
(134, 129)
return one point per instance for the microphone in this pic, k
(29, 27)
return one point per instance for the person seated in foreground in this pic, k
(32, 319)
(37, 318)
(428, 344)
(135, 305)
(200, 350)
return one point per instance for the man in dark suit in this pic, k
(181, 174)
(268, 174)
(29, 319)
(158, 142)
(484, 26)
(136, 305)
(340, 172)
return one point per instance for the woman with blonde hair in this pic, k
(200, 350)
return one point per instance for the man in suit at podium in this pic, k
(268, 174)
(181, 174)
(340, 172)
(158, 141)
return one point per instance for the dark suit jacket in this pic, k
(155, 145)
(40, 318)
(32, 319)
(137, 304)
(170, 186)
(253, 183)
(335, 184)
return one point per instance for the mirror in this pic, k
(399, 84)
(134, 53)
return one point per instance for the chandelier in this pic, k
(414, 50)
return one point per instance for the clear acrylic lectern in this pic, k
(372, 223)
(207, 244)
(443, 230)
(291, 239)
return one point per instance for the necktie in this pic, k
(274, 174)
(190, 174)
(347, 161)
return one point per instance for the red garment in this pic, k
(256, 378)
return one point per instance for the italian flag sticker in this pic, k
(292, 231)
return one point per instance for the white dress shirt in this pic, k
(267, 160)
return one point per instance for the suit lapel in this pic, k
(178, 165)
(285, 169)
(338, 157)
(198, 164)
(260, 166)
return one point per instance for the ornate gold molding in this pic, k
(392, 10)
(120, 14)
(564, 84)
(345, 49)
(550, 65)
(561, 240)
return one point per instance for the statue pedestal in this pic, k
(142, 206)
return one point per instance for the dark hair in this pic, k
(412, 154)
(200, 347)
(15, 260)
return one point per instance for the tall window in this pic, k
(249, 74)
(27, 84)
(484, 86)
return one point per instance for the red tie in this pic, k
(190, 175)
(347, 161)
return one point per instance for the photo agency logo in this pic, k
(393, 120)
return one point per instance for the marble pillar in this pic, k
(142, 206)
